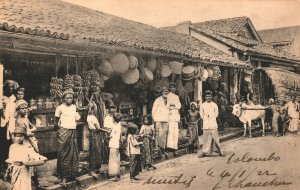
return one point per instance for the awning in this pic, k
(285, 83)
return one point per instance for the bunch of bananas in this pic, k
(68, 82)
(77, 81)
(56, 87)
(91, 82)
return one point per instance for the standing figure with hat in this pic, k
(293, 109)
(160, 114)
(65, 122)
(192, 118)
(4, 141)
(95, 138)
(19, 155)
(174, 118)
(209, 113)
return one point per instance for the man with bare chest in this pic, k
(192, 118)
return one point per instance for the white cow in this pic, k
(247, 113)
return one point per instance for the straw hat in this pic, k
(188, 72)
(133, 62)
(119, 63)
(176, 67)
(68, 91)
(20, 130)
(149, 74)
(131, 76)
(105, 68)
(21, 104)
(166, 70)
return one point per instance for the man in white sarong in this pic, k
(174, 118)
(293, 109)
(209, 113)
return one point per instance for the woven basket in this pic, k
(131, 76)
(119, 63)
(105, 68)
(176, 67)
(133, 62)
(166, 70)
(149, 74)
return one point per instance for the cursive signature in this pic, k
(248, 158)
(170, 180)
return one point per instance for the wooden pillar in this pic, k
(1, 85)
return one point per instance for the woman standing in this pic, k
(192, 119)
(66, 117)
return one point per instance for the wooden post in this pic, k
(1, 85)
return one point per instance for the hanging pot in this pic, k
(119, 63)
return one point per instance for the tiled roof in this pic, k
(277, 35)
(229, 25)
(67, 21)
(244, 44)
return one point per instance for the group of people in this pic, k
(284, 117)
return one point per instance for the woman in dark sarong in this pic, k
(67, 158)
(192, 118)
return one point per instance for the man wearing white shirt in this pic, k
(209, 114)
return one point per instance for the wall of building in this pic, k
(246, 32)
(211, 42)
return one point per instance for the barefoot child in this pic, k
(148, 132)
(19, 154)
(133, 151)
(95, 156)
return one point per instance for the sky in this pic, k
(263, 13)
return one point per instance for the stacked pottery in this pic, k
(189, 72)
(119, 63)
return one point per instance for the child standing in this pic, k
(148, 132)
(192, 118)
(95, 156)
(114, 145)
(23, 121)
(19, 153)
(133, 151)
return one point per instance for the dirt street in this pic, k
(251, 163)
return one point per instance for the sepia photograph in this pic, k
(152, 94)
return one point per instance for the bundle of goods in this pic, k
(91, 82)
(78, 89)
(56, 87)
(68, 82)
(216, 73)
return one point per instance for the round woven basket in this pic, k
(152, 64)
(176, 67)
(133, 62)
(119, 63)
(131, 76)
(105, 68)
(166, 70)
(149, 74)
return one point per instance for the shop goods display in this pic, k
(204, 75)
(210, 72)
(119, 63)
(216, 73)
(91, 82)
(56, 88)
(68, 82)
(176, 67)
(133, 62)
(131, 76)
(166, 70)
(188, 72)
(152, 64)
(105, 68)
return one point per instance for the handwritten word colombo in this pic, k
(248, 158)
(169, 181)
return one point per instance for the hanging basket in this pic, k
(166, 70)
(149, 74)
(105, 68)
(119, 63)
(131, 76)
(176, 67)
(133, 62)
